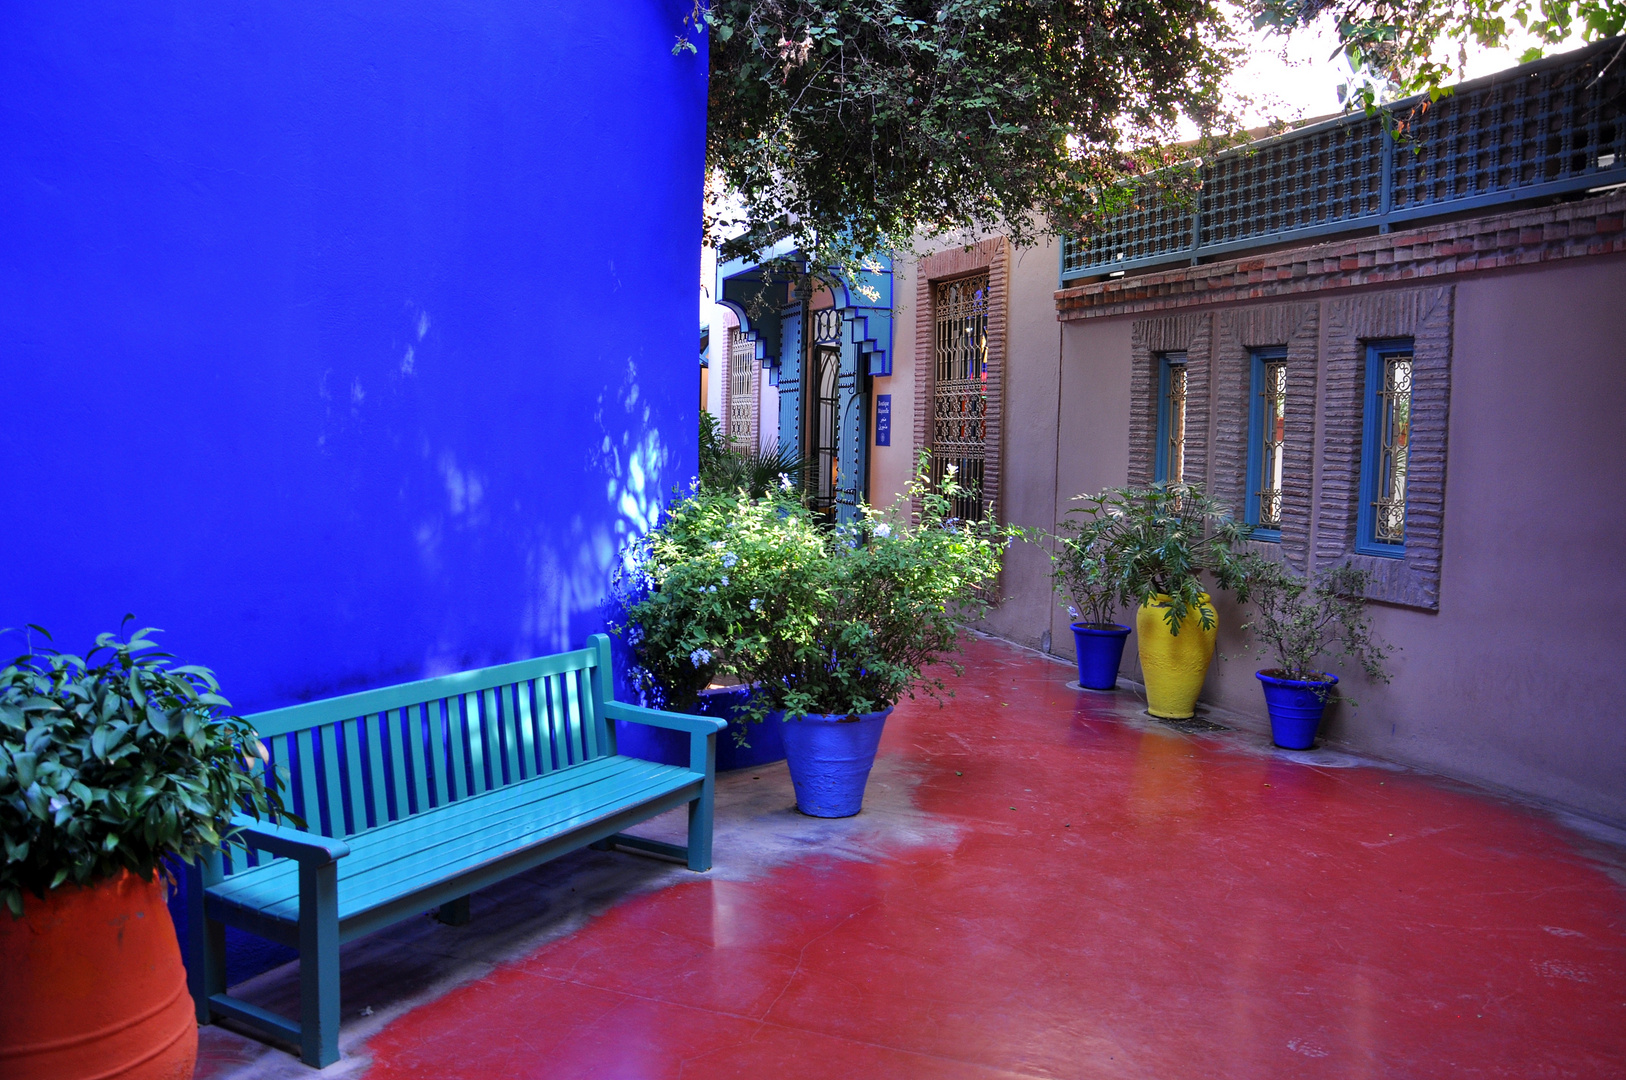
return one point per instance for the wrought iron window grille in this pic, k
(1171, 419)
(827, 326)
(1543, 129)
(742, 397)
(824, 479)
(960, 390)
(1267, 441)
(1385, 445)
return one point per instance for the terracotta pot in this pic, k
(94, 987)
(1174, 664)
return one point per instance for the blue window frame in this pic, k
(1267, 432)
(1380, 527)
(1170, 466)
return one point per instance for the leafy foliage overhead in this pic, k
(1404, 47)
(853, 125)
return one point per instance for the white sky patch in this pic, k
(1297, 77)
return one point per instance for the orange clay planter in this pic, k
(1174, 665)
(94, 987)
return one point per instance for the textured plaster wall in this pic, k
(1518, 678)
(291, 313)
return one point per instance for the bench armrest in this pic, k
(637, 714)
(281, 840)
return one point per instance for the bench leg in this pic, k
(702, 759)
(319, 964)
(205, 938)
(454, 913)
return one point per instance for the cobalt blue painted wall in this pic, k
(341, 341)
(344, 342)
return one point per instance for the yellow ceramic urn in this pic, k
(1174, 664)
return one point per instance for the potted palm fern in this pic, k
(1158, 543)
(109, 764)
(1302, 621)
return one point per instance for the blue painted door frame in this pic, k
(760, 295)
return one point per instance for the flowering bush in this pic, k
(821, 620)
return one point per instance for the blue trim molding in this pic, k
(1256, 442)
(1160, 470)
(1377, 352)
(756, 294)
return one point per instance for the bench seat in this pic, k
(419, 857)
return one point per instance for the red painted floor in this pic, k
(1085, 894)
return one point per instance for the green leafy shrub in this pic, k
(1159, 541)
(821, 620)
(732, 468)
(111, 761)
(1300, 620)
(1082, 567)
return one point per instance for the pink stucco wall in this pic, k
(1519, 679)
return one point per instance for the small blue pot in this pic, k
(1295, 707)
(672, 747)
(830, 758)
(1100, 650)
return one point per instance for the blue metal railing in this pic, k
(1541, 129)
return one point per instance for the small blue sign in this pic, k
(883, 420)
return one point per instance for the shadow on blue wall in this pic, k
(345, 343)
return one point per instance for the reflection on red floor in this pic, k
(1121, 900)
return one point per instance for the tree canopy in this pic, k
(852, 126)
(1399, 48)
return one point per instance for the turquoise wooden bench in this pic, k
(416, 795)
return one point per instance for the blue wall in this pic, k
(342, 341)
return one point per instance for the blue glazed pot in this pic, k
(830, 758)
(672, 747)
(1100, 650)
(1295, 707)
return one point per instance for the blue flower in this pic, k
(700, 657)
(729, 559)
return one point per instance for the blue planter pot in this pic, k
(672, 747)
(1100, 650)
(1295, 708)
(830, 758)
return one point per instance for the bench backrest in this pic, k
(364, 759)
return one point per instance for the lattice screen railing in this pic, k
(1547, 128)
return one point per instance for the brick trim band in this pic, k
(1595, 226)
(1149, 340)
(1298, 327)
(1425, 316)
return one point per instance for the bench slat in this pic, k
(376, 762)
(390, 698)
(590, 718)
(388, 863)
(394, 722)
(413, 868)
(421, 833)
(310, 798)
(332, 779)
(526, 725)
(457, 767)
